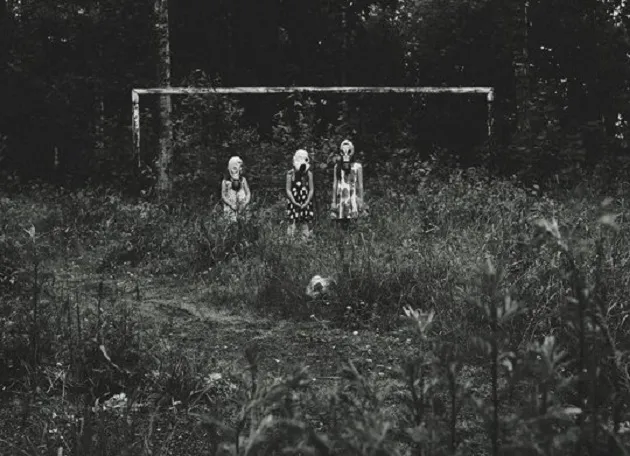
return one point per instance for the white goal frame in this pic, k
(136, 92)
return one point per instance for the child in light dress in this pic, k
(235, 191)
(348, 198)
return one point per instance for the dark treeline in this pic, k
(560, 69)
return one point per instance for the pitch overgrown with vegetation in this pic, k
(475, 311)
(469, 315)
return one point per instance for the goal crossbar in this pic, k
(136, 92)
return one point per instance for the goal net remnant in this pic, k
(136, 92)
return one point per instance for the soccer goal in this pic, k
(488, 92)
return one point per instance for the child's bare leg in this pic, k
(307, 230)
(291, 229)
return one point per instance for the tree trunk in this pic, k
(99, 97)
(344, 64)
(5, 39)
(521, 65)
(99, 123)
(164, 80)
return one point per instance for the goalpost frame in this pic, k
(136, 92)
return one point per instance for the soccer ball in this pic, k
(319, 286)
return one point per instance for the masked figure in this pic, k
(347, 201)
(234, 190)
(300, 190)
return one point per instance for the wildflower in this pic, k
(213, 377)
(116, 403)
(423, 319)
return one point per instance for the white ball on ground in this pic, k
(319, 286)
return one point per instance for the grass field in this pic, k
(470, 316)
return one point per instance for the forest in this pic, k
(480, 306)
(559, 70)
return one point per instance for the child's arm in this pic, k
(334, 189)
(288, 189)
(225, 188)
(248, 194)
(311, 189)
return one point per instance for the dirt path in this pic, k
(284, 345)
(221, 333)
(287, 345)
(177, 312)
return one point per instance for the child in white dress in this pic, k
(235, 190)
(348, 199)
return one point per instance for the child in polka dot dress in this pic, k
(300, 189)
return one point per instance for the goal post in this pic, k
(137, 92)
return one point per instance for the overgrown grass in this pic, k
(518, 299)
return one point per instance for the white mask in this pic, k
(347, 150)
(301, 160)
(235, 166)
